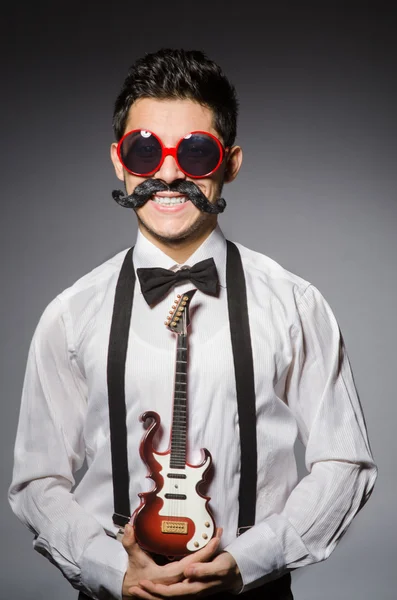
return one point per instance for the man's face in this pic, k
(171, 120)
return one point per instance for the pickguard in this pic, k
(192, 506)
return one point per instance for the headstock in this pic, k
(178, 319)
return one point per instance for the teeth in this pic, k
(165, 201)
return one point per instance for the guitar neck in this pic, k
(179, 418)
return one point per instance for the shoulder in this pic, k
(294, 300)
(73, 309)
(263, 270)
(295, 296)
(98, 278)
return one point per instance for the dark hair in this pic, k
(184, 74)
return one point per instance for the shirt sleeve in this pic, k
(49, 448)
(321, 393)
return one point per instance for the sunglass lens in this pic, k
(141, 152)
(198, 154)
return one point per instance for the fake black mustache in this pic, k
(145, 190)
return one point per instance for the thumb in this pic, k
(128, 539)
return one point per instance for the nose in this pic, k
(169, 170)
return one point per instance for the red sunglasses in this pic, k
(197, 154)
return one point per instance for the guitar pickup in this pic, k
(175, 496)
(174, 527)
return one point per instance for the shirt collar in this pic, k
(146, 254)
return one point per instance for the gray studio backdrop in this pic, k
(316, 193)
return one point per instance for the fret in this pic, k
(179, 421)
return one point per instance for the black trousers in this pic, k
(279, 589)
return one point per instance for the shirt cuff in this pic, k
(259, 556)
(103, 566)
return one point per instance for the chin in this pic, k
(201, 227)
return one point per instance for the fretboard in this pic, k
(179, 425)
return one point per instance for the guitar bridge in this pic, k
(174, 527)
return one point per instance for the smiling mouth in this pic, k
(165, 200)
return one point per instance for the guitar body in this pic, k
(173, 519)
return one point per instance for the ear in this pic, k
(233, 163)
(118, 167)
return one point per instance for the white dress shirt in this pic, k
(304, 387)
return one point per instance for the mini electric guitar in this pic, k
(174, 519)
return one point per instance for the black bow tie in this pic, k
(156, 282)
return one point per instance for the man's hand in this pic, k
(201, 578)
(142, 568)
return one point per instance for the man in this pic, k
(175, 125)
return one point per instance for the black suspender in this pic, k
(245, 384)
(118, 344)
(244, 373)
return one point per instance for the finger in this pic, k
(138, 592)
(204, 554)
(182, 589)
(128, 539)
(132, 547)
(221, 566)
